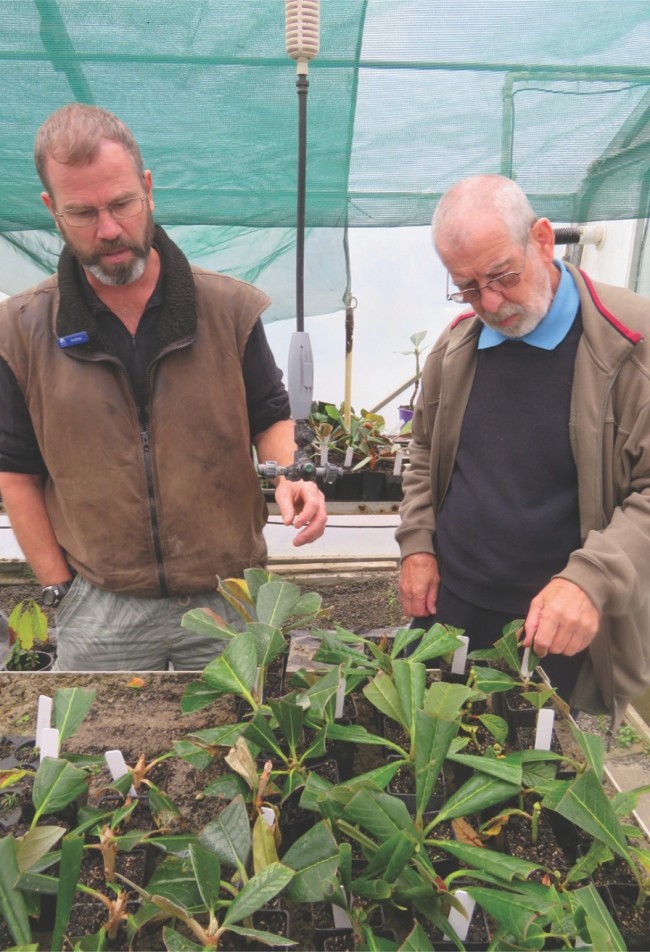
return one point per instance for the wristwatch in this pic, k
(53, 594)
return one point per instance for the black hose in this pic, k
(567, 236)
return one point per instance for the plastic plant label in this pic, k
(544, 732)
(117, 766)
(340, 698)
(340, 916)
(458, 921)
(397, 467)
(347, 462)
(525, 664)
(49, 745)
(268, 816)
(460, 656)
(43, 716)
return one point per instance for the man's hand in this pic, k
(419, 581)
(302, 505)
(562, 619)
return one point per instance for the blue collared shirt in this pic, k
(553, 328)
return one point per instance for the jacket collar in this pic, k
(177, 318)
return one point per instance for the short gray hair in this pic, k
(493, 194)
(72, 136)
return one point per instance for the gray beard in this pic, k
(123, 274)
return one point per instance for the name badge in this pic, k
(71, 340)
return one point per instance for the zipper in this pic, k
(143, 424)
(151, 499)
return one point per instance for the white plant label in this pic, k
(525, 664)
(117, 766)
(460, 656)
(324, 452)
(458, 921)
(43, 716)
(49, 745)
(340, 916)
(397, 468)
(544, 732)
(268, 816)
(347, 462)
(340, 698)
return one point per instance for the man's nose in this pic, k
(107, 225)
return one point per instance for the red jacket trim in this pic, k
(633, 336)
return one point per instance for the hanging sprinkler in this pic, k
(302, 22)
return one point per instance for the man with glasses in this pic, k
(132, 385)
(528, 492)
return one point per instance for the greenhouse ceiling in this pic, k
(405, 97)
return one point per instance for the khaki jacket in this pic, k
(610, 438)
(155, 507)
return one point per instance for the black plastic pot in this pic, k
(632, 920)
(436, 800)
(372, 486)
(348, 487)
(39, 661)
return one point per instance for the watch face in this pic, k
(49, 597)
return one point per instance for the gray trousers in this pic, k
(102, 631)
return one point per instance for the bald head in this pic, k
(479, 202)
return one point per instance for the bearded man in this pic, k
(528, 491)
(132, 388)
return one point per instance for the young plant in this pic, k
(27, 626)
(417, 352)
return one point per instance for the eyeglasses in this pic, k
(82, 217)
(502, 282)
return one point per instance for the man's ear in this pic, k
(49, 204)
(544, 237)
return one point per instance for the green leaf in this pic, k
(258, 732)
(35, 844)
(12, 901)
(446, 699)
(511, 909)
(207, 870)
(198, 695)
(496, 726)
(592, 748)
(290, 717)
(56, 784)
(433, 735)
(382, 693)
(314, 858)
(235, 670)
(206, 622)
(258, 891)
(436, 642)
(504, 768)
(175, 942)
(492, 680)
(585, 803)
(356, 734)
(378, 812)
(507, 647)
(70, 708)
(174, 880)
(71, 856)
(229, 836)
(599, 922)
(478, 793)
(270, 643)
(410, 682)
(276, 601)
(502, 865)
(417, 940)
(267, 938)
